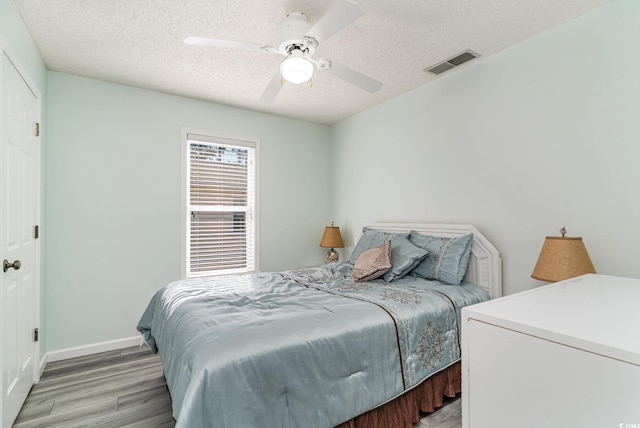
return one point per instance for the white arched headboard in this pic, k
(485, 264)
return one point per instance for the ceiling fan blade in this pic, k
(273, 89)
(355, 78)
(341, 15)
(221, 43)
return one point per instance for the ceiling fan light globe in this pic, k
(296, 70)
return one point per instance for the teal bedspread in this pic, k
(303, 348)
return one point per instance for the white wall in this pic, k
(113, 186)
(543, 135)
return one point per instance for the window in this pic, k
(220, 209)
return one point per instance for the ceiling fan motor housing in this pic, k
(293, 32)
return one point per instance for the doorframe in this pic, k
(7, 52)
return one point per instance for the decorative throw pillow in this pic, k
(448, 257)
(405, 256)
(371, 239)
(372, 264)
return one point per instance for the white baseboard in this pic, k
(94, 348)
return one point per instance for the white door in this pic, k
(19, 278)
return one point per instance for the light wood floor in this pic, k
(123, 388)
(126, 388)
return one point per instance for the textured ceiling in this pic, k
(140, 43)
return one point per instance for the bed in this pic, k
(313, 347)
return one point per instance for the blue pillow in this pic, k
(405, 256)
(447, 260)
(371, 239)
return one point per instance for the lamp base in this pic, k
(332, 256)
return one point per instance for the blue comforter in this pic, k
(303, 348)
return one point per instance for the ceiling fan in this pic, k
(299, 41)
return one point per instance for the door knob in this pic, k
(6, 265)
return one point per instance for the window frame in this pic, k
(228, 139)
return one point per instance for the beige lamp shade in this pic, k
(562, 258)
(331, 238)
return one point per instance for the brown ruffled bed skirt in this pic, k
(404, 411)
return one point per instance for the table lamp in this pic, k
(331, 238)
(562, 258)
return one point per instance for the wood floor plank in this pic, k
(141, 398)
(114, 389)
(86, 366)
(70, 418)
(119, 391)
(79, 360)
(88, 386)
(103, 372)
(164, 420)
(35, 410)
(120, 418)
(96, 370)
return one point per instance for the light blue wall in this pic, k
(113, 185)
(15, 38)
(543, 135)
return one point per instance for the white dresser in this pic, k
(562, 355)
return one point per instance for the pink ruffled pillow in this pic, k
(373, 263)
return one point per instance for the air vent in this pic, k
(453, 62)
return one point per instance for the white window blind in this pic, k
(221, 182)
